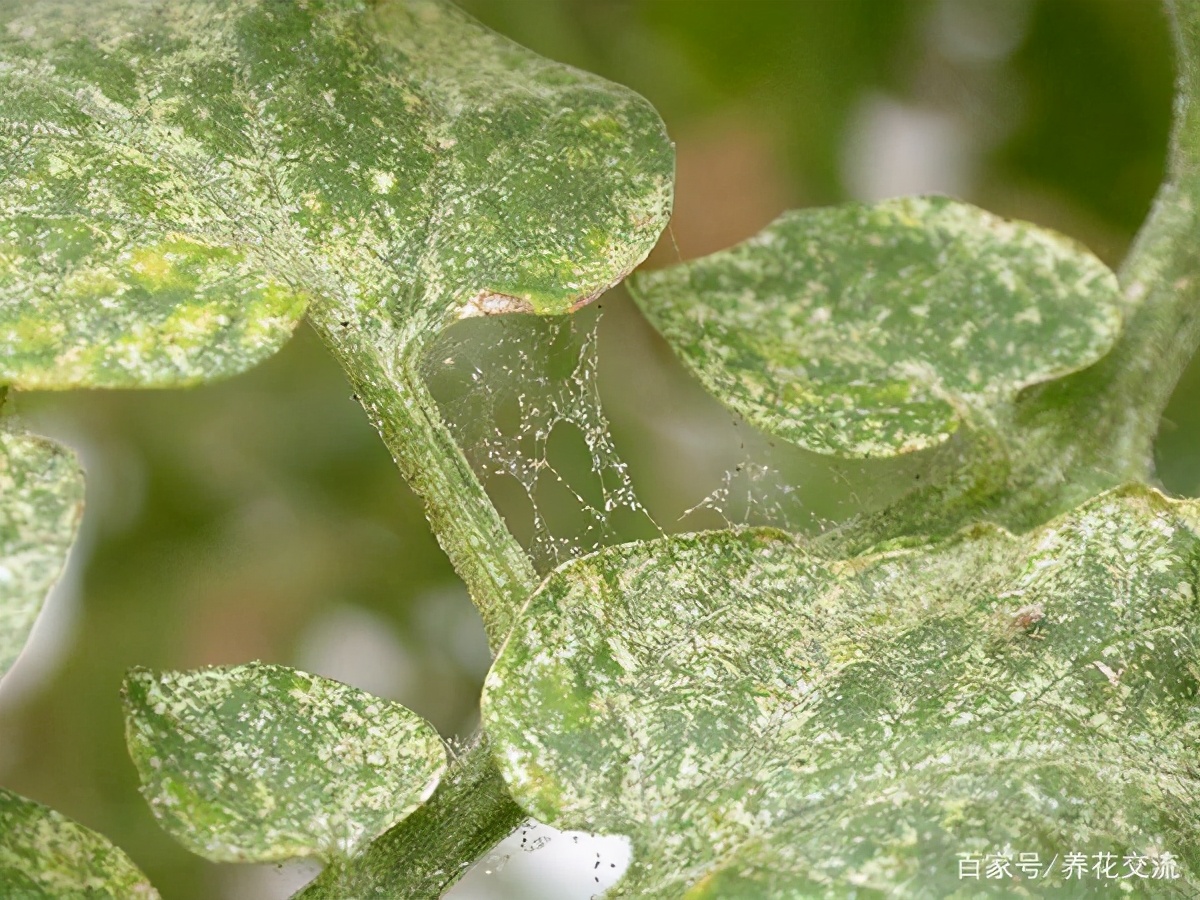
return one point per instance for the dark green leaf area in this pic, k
(766, 723)
(866, 330)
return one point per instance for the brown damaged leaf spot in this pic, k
(487, 303)
(1027, 618)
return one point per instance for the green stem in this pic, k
(482, 550)
(468, 814)
(1161, 275)
(1101, 424)
(1070, 439)
(471, 809)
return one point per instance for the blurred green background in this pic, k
(262, 518)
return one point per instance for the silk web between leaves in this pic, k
(523, 397)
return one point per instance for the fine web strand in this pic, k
(522, 396)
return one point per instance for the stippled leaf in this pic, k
(264, 763)
(178, 178)
(765, 723)
(46, 856)
(872, 330)
(41, 498)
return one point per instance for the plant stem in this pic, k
(468, 814)
(482, 550)
(471, 810)
(1070, 439)
(1098, 427)
(1161, 274)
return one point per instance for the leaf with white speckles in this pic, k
(765, 723)
(870, 330)
(41, 498)
(260, 763)
(179, 177)
(46, 856)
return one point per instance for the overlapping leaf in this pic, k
(871, 330)
(177, 178)
(264, 763)
(41, 497)
(765, 723)
(46, 856)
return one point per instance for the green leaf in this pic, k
(46, 856)
(178, 178)
(41, 500)
(873, 330)
(260, 763)
(766, 723)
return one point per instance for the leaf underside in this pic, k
(765, 723)
(871, 330)
(46, 856)
(261, 763)
(178, 179)
(41, 498)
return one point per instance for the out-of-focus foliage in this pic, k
(47, 855)
(279, 528)
(41, 498)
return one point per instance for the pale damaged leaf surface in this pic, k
(41, 500)
(764, 723)
(46, 856)
(178, 177)
(871, 330)
(262, 763)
